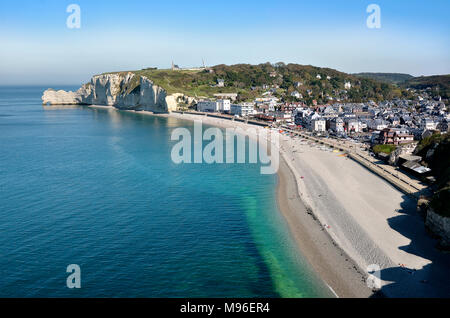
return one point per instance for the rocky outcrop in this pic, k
(440, 226)
(59, 97)
(407, 149)
(121, 90)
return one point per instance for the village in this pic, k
(389, 130)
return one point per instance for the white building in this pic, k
(242, 110)
(427, 124)
(220, 82)
(347, 85)
(353, 125)
(318, 76)
(318, 124)
(224, 105)
(296, 94)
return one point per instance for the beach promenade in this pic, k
(397, 178)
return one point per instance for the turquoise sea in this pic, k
(97, 188)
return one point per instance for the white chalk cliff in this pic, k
(121, 90)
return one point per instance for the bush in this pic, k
(441, 202)
(383, 148)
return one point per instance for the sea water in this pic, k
(98, 188)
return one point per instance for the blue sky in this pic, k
(38, 48)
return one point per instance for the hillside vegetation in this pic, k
(250, 81)
(390, 78)
(438, 84)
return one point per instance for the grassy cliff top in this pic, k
(249, 82)
(189, 82)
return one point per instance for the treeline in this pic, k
(390, 78)
(439, 85)
(303, 78)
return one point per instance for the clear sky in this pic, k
(36, 47)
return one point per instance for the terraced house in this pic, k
(395, 136)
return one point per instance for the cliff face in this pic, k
(440, 226)
(124, 91)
